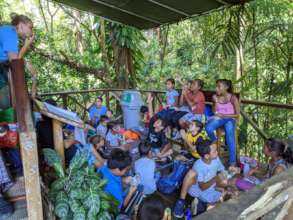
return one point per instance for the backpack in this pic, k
(171, 182)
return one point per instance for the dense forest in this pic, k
(251, 44)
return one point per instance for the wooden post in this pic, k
(58, 139)
(64, 100)
(108, 99)
(28, 143)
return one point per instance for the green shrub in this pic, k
(78, 193)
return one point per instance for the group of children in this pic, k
(184, 116)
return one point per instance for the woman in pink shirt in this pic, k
(227, 110)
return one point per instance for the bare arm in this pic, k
(27, 44)
(150, 105)
(33, 72)
(129, 195)
(100, 161)
(204, 186)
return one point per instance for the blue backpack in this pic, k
(171, 182)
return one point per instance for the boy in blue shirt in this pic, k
(96, 111)
(171, 94)
(113, 171)
(201, 181)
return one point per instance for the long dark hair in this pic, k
(280, 148)
(227, 83)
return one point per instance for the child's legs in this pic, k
(211, 127)
(189, 180)
(230, 139)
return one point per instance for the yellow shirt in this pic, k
(193, 139)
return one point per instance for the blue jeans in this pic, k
(229, 125)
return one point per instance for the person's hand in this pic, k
(234, 169)
(29, 41)
(253, 171)
(30, 68)
(219, 115)
(150, 98)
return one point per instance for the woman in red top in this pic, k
(194, 98)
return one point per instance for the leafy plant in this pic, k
(78, 193)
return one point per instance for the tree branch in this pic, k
(99, 73)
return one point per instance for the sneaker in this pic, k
(179, 208)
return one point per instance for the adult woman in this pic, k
(21, 26)
(226, 111)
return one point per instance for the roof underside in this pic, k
(145, 14)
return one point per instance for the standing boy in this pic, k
(171, 94)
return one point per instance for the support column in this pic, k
(58, 139)
(28, 143)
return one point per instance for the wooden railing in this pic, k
(77, 100)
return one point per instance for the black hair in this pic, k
(171, 80)
(96, 139)
(110, 126)
(4, 128)
(199, 82)
(144, 109)
(227, 83)
(151, 208)
(280, 148)
(103, 118)
(144, 148)
(198, 124)
(119, 159)
(100, 98)
(51, 102)
(203, 147)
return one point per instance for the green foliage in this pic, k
(80, 193)
(201, 47)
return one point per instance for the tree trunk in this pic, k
(78, 33)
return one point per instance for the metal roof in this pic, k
(145, 14)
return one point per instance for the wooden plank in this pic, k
(28, 142)
(58, 139)
(64, 120)
(234, 207)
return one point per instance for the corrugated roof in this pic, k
(145, 14)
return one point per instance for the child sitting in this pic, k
(112, 170)
(145, 168)
(279, 156)
(192, 136)
(153, 208)
(114, 139)
(157, 138)
(171, 94)
(194, 98)
(102, 126)
(200, 182)
(96, 151)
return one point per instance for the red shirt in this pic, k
(199, 100)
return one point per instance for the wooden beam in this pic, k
(254, 125)
(58, 139)
(28, 142)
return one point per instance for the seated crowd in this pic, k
(132, 160)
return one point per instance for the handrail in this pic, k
(243, 101)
